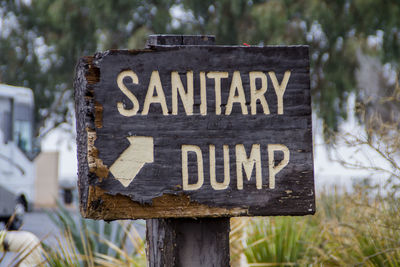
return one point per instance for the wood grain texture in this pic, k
(188, 242)
(170, 39)
(157, 190)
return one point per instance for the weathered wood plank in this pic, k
(157, 189)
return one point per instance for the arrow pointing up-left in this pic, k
(129, 163)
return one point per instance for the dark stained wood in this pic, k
(188, 242)
(161, 242)
(156, 190)
(170, 39)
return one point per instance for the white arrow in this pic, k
(129, 163)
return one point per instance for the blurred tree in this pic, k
(335, 31)
(42, 40)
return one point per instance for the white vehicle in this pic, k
(17, 168)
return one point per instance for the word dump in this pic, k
(242, 162)
(156, 92)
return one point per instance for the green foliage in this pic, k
(43, 40)
(367, 233)
(355, 229)
(279, 241)
(335, 31)
(349, 229)
(88, 241)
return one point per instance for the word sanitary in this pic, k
(156, 92)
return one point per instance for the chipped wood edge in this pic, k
(96, 203)
(112, 207)
(86, 76)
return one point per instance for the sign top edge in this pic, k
(155, 48)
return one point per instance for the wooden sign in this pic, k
(195, 131)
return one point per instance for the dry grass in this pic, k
(354, 229)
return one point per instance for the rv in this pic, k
(17, 149)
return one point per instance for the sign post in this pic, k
(186, 129)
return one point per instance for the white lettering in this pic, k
(273, 170)
(280, 89)
(185, 171)
(203, 94)
(217, 76)
(155, 82)
(120, 81)
(213, 180)
(187, 97)
(233, 98)
(258, 94)
(248, 165)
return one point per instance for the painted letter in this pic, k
(155, 82)
(217, 76)
(258, 94)
(280, 89)
(185, 172)
(248, 164)
(240, 98)
(203, 94)
(216, 185)
(273, 170)
(120, 81)
(187, 97)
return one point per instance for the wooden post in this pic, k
(187, 242)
